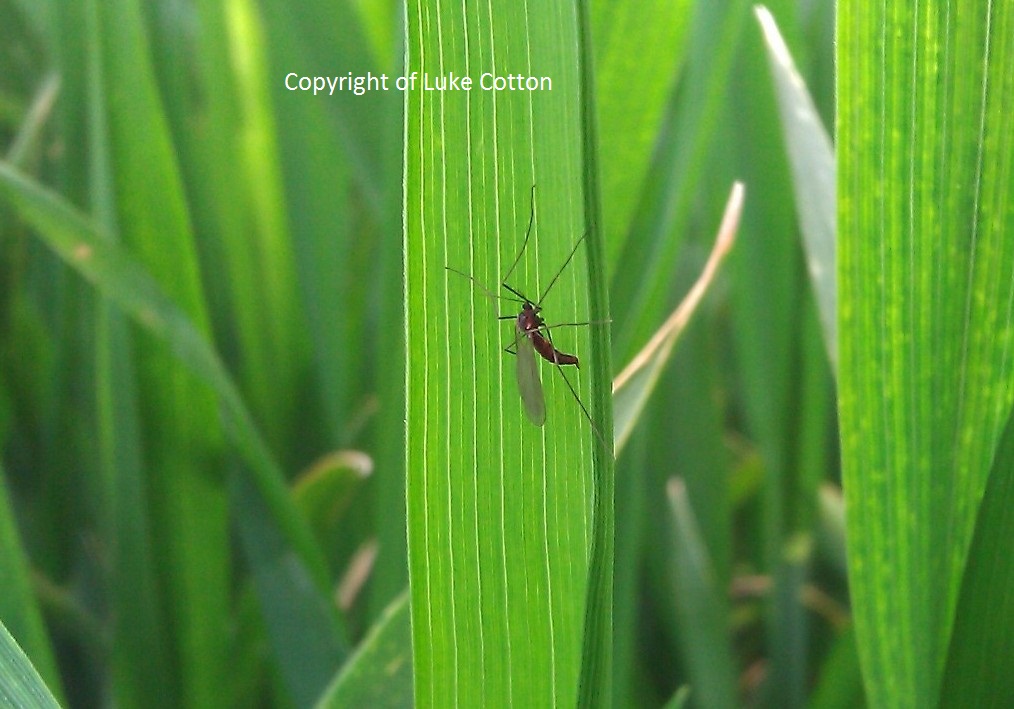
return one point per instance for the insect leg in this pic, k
(584, 409)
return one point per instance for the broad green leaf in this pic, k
(500, 511)
(982, 644)
(926, 287)
(20, 684)
(379, 673)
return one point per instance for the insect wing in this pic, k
(529, 385)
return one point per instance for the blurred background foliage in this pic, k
(272, 218)
(149, 555)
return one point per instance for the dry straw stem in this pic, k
(660, 345)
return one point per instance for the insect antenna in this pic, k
(520, 295)
(524, 244)
(490, 294)
(571, 256)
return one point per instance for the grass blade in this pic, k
(978, 668)
(189, 518)
(76, 241)
(306, 640)
(499, 511)
(20, 684)
(631, 98)
(811, 158)
(596, 678)
(926, 291)
(379, 673)
(18, 608)
(701, 607)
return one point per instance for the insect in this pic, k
(532, 335)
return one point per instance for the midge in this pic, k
(532, 334)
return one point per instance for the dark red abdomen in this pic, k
(530, 324)
(549, 353)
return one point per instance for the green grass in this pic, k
(260, 447)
